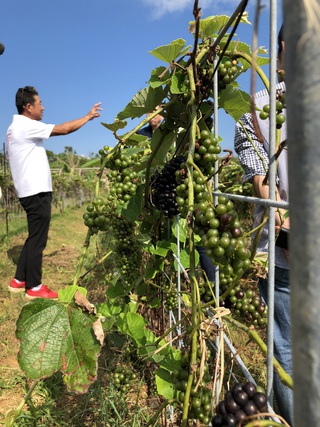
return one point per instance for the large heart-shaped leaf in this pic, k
(54, 337)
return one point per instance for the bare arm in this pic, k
(73, 125)
(262, 191)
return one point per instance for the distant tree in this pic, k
(69, 159)
(51, 156)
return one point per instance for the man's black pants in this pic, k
(38, 210)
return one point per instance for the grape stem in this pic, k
(254, 336)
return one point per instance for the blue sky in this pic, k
(79, 52)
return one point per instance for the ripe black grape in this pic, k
(163, 187)
(240, 402)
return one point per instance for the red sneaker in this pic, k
(43, 292)
(16, 286)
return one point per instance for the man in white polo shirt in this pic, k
(32, 180)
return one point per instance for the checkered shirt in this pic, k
(252, 155)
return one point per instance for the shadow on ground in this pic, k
(14, 253)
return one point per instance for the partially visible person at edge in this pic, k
(153, 124)
(32, 180)
(253, 156)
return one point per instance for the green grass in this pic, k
(16, 225)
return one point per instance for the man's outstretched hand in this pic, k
(94, 112)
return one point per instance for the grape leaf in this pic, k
(56, 337)
(170, 52)
(92, 163)
(178, 84)
(166, 143)
(116, 125)
(212, 25)
(67, 294)
(179, 229)
(235, 102)
(145, 101)
(184, 259)
(156, 81)
(134, 325)
(164, 384)
(161, 248)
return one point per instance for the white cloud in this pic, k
(162, 7)
(208, 7)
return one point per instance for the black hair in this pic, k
(280, 40)
(25, 95)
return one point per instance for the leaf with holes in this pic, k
(56, 337)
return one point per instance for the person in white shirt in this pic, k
(32, 180)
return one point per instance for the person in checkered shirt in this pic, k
(252, 146)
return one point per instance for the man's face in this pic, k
(155, 121)
(35, 110)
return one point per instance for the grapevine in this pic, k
(181, 185)
(153, 184)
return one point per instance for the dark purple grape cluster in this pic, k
(163, 187)
(240, 402)
(206, 81)
(248, 304)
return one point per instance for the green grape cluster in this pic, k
(206, 153)
(280, 105)
(221, 235)
(96, 217)
(228, 71)
(124, 378)
(200, 400)
(205, 291)
(170, 297)
(127, 249)
(121, 174)
(240, 402)
(100, 216)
